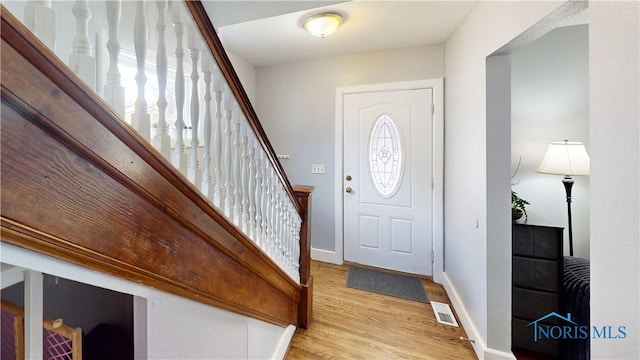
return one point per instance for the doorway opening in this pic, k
(537, 89)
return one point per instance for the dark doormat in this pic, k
(381, 282)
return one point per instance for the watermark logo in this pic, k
(569, 329)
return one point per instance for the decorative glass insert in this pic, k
(385, 156)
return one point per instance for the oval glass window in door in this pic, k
(385, 156)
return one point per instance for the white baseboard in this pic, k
(284, 343)
(472, 333)
(325, 256)
(491, 354)
(478, 345)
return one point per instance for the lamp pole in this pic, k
(566, 158)
(568, 183)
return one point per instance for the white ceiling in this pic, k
(271, 32)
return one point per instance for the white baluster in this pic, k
(40, 18)
(297, 224)
(284, 246)
(237, 171)
(161, 140)
(258, 194)
(269, 211)
(277, 221)
(281, 227)
(251, 189)
(193, 41)
(207, 180)
(287, 234)
(264, 203)
(246, 180)
(294, 244)
(141, 119)
(81, 61)
(217, 139)
(179, 156)
(113, 90)
(275, 208)
(296, 241)
(228, 170)
(295, 231)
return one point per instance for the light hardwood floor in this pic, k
(355, 324)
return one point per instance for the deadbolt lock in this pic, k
(348, 177)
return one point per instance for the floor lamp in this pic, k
(568, 159)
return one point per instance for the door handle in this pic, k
(349, 190)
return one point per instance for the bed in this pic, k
(576, 295)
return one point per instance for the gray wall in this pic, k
(296, 105)
(550, 102)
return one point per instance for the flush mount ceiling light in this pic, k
(323, 24)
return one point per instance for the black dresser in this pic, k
(537, 285)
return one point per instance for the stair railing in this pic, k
(193, 109)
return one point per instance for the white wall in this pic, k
(182, 329)
(614, 58)
(176, 328)
(550, 102)
(467, 165)
(247, 75)
(296, 105)
(499, 223)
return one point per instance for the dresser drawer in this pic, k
(532, 304)
(536, 273)
(537, 241)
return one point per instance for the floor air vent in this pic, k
(443, 312)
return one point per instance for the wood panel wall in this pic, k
(79, 184)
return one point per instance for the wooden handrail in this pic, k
(215, 46)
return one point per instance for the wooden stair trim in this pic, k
(305, 307)
(54, 112)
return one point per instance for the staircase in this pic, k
(188, 200)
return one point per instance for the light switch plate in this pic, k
(317, 168)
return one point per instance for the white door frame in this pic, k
(436, 85)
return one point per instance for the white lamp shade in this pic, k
(323, 25)
(565, 158)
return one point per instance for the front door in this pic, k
(388, 179)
